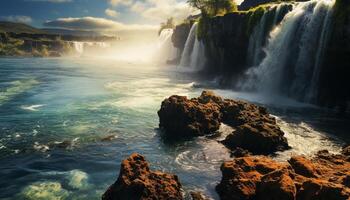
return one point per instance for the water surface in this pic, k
(66, 124)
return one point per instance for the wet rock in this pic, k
(303, 166)
(180, 116)
(278, 185)
(346, 150)
(198, 196)
(239, 152)
(241, 176)
(326, 176)
(137, 182)
(256, 130)
(236, 113)
(259, 138)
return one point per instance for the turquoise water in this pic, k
(66, 124)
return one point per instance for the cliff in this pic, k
(334, 80)
(310, 65)
(227, 39)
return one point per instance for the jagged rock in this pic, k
(241, 176)
(137, 182)
(259, 138)
(180, 116)
(236, 113)
(239, 152)
(346, 151)
(255, 131)
(326, 176)
(198, 196)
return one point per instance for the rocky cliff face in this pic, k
(334, 79)
(227, 42)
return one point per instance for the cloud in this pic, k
(120, 2)
(52, 1)
(111, 13)
(159, 10)
(97, 24)
(17, 18)
(138, 7)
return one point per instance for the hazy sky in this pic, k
(93, 14)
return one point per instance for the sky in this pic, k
(97, 15)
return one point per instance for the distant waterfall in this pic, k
(166, 50)
(193, 55)
(80, 47)
(293, 53)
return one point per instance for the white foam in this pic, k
(32, 107)
(305, 140)
(44, 191)
(78, 179)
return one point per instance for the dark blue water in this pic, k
(55, 115)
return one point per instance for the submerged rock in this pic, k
(136, 182)
(258, 177)
(256, 130)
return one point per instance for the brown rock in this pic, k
(303, 166)
(324, 177)
(198, 196)
(180, 116)
(137, 182)
(241, 176)
(277, 185)
(346, 151)
(258, 138)
(256, 130)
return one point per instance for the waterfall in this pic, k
(186, 54)
(166, 50)
(79, 47)
(198, 55)
(258, 38)
(293, 53)
(193, 55)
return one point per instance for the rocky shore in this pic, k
(251, 174)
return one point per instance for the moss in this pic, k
(202, 27)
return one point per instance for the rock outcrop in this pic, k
(258, 138)
(255, 131)
(258, 177)
(180, 116)
(137, 182)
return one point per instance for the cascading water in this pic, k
(166, 50)
(79, 47)
(198, 55)
(258, 38)
(186, 54)
(292, 56)
(193, 55)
